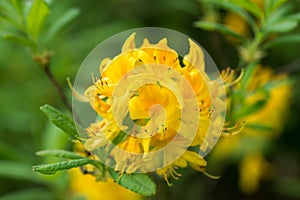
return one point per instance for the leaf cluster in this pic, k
(137, 182)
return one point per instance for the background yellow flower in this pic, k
(86, 186)
(261, 129)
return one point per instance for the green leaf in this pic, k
(32, 194)
(120, 138)
(137, 182)
(278, 15)
(213, 26)
(282, 26)
(260, 127)
(271, 5)
(59, 153)
(249, 70)
(10, 13)
(18, 171)
(18, 4)
(53, 168)
(19, 39)
(291, 38)
(227, 5)
(62, 22)
(14, 153)
(294, 16)
(36, 17)
(117, 140)
(62, 121)
(250, 7)
(248, 110)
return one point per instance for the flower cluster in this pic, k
(157, 110)
(262, 126)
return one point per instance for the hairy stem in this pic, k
(44, 62)
(58, 88)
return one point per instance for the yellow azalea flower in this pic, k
(249, 144)
(157, 101)
(85, 186)
(253, 168)
(100, 133)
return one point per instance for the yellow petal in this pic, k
(195, 158)
(195, 57)
(103, 64)
(129, 44)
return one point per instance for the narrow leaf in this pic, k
(294, 16)
(19, 39)
(271, 5)
(59, 153)
(248, 110)
(213, 26)
(260, 127)
(53, 168)
(282, 26)
(235, 9)
(11, 13)
(60, 120)
(33, 193)
(291, 38)
(18, 171)
(278, 15)
(61, 23)
(36, 17)
(18, 4)
(249, 6)
(137, 182)
(249, 70)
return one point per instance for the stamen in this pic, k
(237, 79)
(174, 174)
(167, 180)
(76, 94)
(93, 78)
(120, 176)
(234, 130)
(228, 78)
(209, 175)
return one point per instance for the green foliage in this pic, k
(247, 75)
(69, 16)
(62, 121)
(249, 6)
(59, 166)
(18, 171)
(213, 26)
(32, 194)
(247, 110)
(59, 153)
(229, 6)
(259, 127)
(137, 182)
(30, 23)
(276, 18)
(36, 18)
(23, 129)
(286, 39)
(19, 39)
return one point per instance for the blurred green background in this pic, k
(24, 88)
